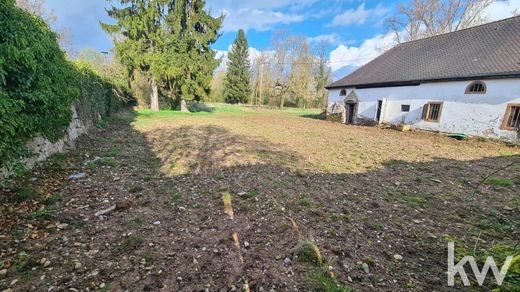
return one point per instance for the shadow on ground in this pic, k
(170, 230)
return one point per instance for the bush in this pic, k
(97, 97)
(38, 85)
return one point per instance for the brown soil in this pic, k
(362, 195)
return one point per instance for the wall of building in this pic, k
(474, 114)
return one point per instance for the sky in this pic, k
(353, 29)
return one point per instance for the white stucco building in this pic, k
(462, 82)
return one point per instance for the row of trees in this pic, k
(168, 42)
(163, 47)
(293, 73)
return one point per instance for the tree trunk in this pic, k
(154, 98)
(184, 106)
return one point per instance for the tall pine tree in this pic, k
(169, 41)
(236, 84)
(193, 30)
(137, 35)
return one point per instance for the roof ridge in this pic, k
(489, 50)
(460, 30)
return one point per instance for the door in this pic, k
(350, 111)
(379, 109)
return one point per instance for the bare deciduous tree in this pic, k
(301, 80)
(323, 74)
(425, 18)
(37, 7)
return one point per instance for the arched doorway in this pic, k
(351, 106)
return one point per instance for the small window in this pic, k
(405, 107)
(477, 87)
(432, 111)
(512, 117)
(343, 92)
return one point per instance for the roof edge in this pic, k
(418, 82)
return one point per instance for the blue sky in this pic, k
(354, 29)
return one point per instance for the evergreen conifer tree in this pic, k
(236, 85)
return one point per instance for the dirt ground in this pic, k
(223, 202)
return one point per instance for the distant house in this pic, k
(461, 82)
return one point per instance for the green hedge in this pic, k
(97, 94)
(38, 84)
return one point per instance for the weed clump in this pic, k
(132, 243)
(308, 252)
(498, 182)
(321, 278)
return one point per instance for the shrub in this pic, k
(37, 83)
(308, 252)
(97, 97)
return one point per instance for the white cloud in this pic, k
(257, 19)
(260, 15)
(223, 55)
(359, 15)
(332, 38)
(502, 9)
(344, 56)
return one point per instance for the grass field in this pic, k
(258, 199)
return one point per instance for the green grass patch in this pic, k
(137, 221)
(53, 199)
(500, 252)
(322, 280)
(136, 189)
(300, 112)
(24, 262)
(305, 201)
(507, 153)
(42, 214)
(131, 243)
(498, 182)
(176, 197)
(149, 257)
(251, 194)
(415, 200)
(113, 152)
(28, 193)
(103, 162)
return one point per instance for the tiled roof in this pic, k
(491, 50)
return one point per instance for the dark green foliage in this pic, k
(308, 252)
(139, 23)
(169, 42)
(28, 193)
(236, 85)
(131, 243)
(24, 262)
(37, 83)
(98, 95)
(186, 62)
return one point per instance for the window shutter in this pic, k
(425, 111)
